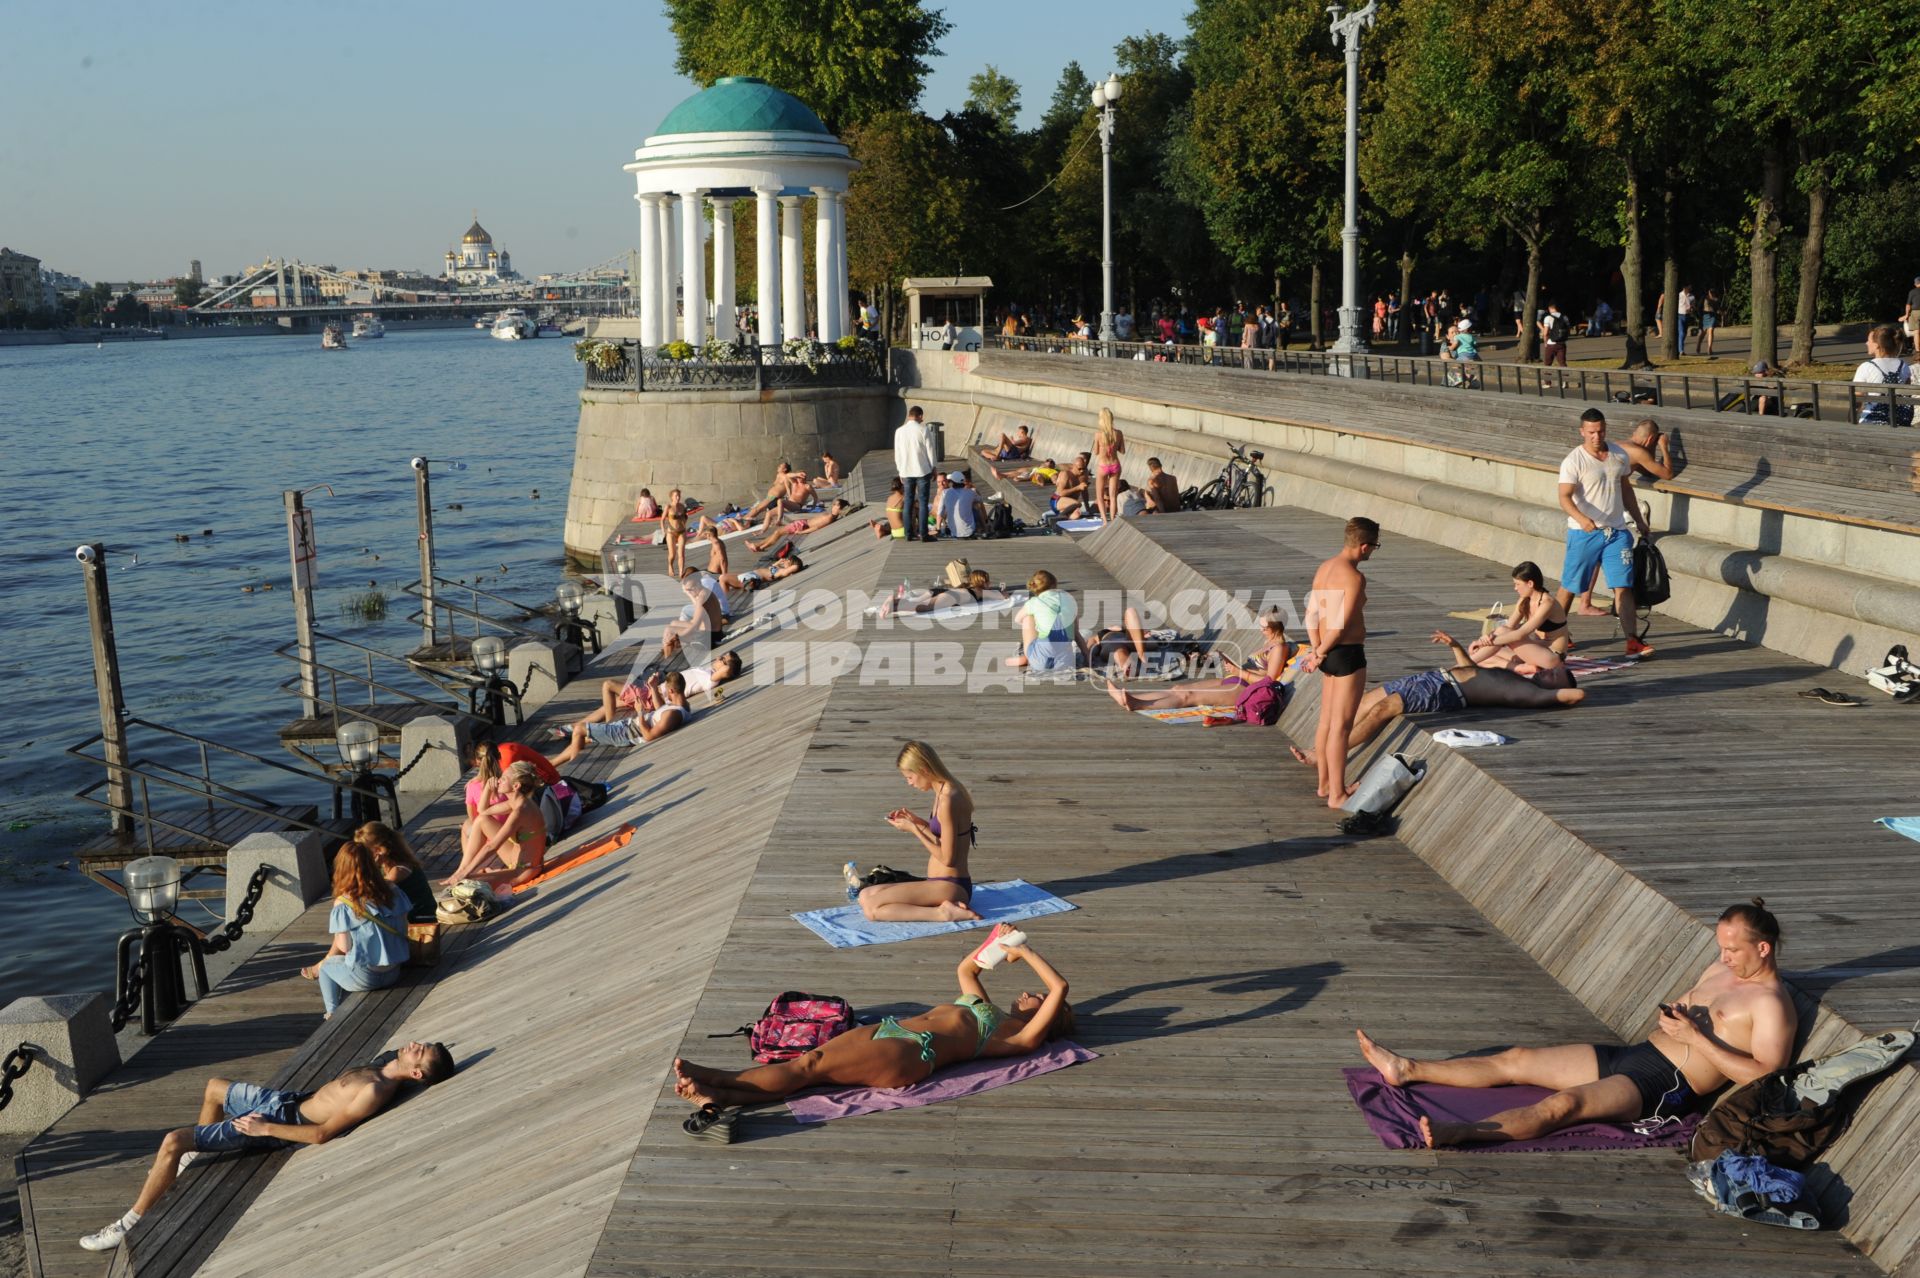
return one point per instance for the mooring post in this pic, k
(300, 545)
(106, 684)
(423, 501)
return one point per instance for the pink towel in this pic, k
(962, 1080)
(1394, 1115)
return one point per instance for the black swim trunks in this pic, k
(1344, 659)
(1662, 1086)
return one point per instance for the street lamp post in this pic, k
(1347, 27)
(1104, 96)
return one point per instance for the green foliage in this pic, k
(186, 292)
(996, 97)
(677, 350)
(366, 605)
(850, 60)
(906, 203)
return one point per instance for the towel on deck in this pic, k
(1586, 667)
(1469, 738)
(1080, 525)
(1909, 826)
(1189, 714)
(1394, 1114)
(962, 1080)
(844, 926)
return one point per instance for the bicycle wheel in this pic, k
(1266, 496)
(1213, 496)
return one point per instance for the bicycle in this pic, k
(1241, 484)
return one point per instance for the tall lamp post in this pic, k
(1104, 96)
(1347, 27)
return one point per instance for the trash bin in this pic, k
(939, 441)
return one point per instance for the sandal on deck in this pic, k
(1825, 697)
(710, 1122)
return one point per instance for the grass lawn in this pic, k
(1701, 366)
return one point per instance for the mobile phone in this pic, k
(1669, 1009)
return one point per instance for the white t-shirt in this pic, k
(1890, 369)
(698, 680)
(1132, 502)
(913, 450)
(1597, 485)
(957, 506)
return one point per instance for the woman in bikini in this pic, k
(1535, 633)
(517, 840)
(1108, 444)
(895, 524)
(947, 836)
(1268, 662)
(896, 1052)
(978, 590)
(673, 522)
(624, 698)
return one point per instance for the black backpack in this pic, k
(1650, 584)
(1557, 329)
(999, 521)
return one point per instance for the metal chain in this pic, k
(124, 1010)
(223, 939)
(418, 755)
(18, 1061)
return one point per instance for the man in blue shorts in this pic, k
(247, 1116)
(1596, 491)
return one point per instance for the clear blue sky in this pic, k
(137, 136)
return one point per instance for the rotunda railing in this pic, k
(749, 367)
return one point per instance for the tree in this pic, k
(905, 205)
(129, 310)
(187, 291)
(850, 60)
(996, 97)
(1474, 133)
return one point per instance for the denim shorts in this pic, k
(250, 1098)
(1056, 651)
(1426, 692)
(621, 732)
(1610, 549)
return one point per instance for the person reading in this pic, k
(1735, 1024)
(237, 1116)
(946, 835)
(899, 1052)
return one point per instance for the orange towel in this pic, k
(580, 856)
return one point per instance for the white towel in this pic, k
(1467, 739)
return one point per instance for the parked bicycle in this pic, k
(1241, 484)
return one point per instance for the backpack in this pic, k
(1891, 411)
(794, 1024)
(1789, 1116)
(593, 794)
(1557, 329)
(468, 901)
(999, 521)
(1261, 702)
(1651, 586)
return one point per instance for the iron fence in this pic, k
(1867, 403)
(752, 367)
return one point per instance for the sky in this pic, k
(367, 133)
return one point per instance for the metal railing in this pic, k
(482, 622)
(1800, 397)
(756, 367)
(375, 687)
(214, 794)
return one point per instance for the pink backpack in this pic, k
(794, 1024)
(1261, 702)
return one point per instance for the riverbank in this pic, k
(191, 332)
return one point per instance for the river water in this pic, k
(132, 443)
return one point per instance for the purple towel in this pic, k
(961, 1080)
(1394, 1115)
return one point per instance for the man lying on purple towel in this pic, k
(1735, 1024)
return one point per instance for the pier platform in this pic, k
(1226, 944)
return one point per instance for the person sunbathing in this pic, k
(236, 1116)
(624, 698)
(1123, 647)
(1455, 689)
(1269, 661)
(670, 713)
(831, 475)
(979, 589)
(775, 491)
(1040, 475)
(801, 527)
(946, 835)
(485, 795)
(1734, 1025)
(1015, 447)
(900, 1052)
(1535, 634)
(703, 615)
(515, 843)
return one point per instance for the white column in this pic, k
(823, 271)
(671, 218)
(767, 273)
(842, 293)
(723, 270)
(793, 264)
(693, 268)
(647, 285)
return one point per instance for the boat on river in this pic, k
(367, 324)
(332, 338)
(513, 325)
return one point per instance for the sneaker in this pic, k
(106, 1239)
(559, 732)
(1637, 649)
(186, 1160)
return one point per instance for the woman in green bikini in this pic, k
(899, 1053)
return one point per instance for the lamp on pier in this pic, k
(570, 629)
(1104, 96)
(153, 893)
(495, 691)
(620, 566)
(359, 744)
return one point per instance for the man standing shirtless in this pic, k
(1337, 631)
(247, 1116)
(1735, 1025)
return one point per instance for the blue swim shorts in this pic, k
(250, 1098)
(1610, 549)
(1426, 692)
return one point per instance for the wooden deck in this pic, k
(387, 716)
(195, 837)
(1226, 944)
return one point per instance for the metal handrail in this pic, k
(472, 614)
(332, 701)
(1823, 400)
(541, 610)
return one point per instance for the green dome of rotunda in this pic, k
(741, 104)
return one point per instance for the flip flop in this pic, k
(1825, 697)
(710, 1123)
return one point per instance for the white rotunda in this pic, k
(741, 139)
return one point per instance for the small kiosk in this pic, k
(933, 304)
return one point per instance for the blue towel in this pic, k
(844, 927)
(1909, 826)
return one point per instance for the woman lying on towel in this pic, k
(946, 834)
(979, 589)
(1269, 662)
(900, 1053)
